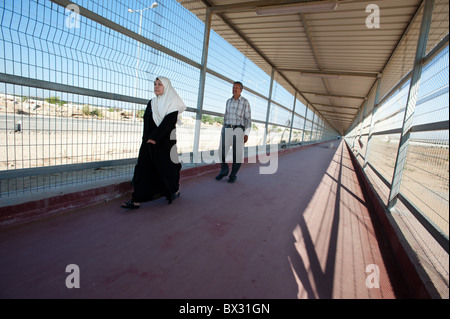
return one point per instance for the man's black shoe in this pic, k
(232, 179)
(220, 176)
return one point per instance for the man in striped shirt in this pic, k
(235, 131)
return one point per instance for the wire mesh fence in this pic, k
(421, 209)
(426, 175)
(75, 81)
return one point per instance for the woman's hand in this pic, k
(151, 141)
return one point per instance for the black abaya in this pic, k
(155, 174)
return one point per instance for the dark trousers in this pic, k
(231, 137)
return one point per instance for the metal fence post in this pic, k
(304, 123)
(356, 130)
(361, 127)
(201, 88)
(372, 124)
(292, 118)
(312, 126)
(411, 102)
(269, 102)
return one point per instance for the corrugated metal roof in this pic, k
(301, 45)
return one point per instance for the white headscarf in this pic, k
(167, 102)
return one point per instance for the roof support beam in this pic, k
(252, 5)
(339, 119)
(335, 119)
(339, 73)
(337, 106)
(336, 96)
(339, 113)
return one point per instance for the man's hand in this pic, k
(245, 138)
(151, 141)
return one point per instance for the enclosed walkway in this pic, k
(362, 217)
(304, 232)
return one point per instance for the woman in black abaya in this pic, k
(157, 173)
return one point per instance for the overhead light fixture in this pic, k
(317, 6)
(321, 75)
(154, 5)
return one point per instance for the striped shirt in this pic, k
(238, 113)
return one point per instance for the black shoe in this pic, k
(220, 176)
(232, 179)
(130, 205)
(173, 197)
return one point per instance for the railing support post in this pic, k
(372, 123)
(304, 122)
(201, 88)
(292, 118)
(269, 102)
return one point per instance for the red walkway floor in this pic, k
(304, 232)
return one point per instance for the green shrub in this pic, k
(55, 100)
(207, 119)
(94, 112)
